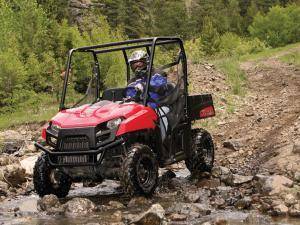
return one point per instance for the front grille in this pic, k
(73, 159)
(75, 143)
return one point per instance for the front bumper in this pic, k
(79, 158)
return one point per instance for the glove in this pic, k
(139, 88)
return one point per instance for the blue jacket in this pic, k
(157, 89)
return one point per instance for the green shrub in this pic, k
(280, 26)
(194, 50)
(233, 45)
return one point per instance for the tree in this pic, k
(210, 37)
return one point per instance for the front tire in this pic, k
(43, 183)
(202, 156)
(139, 173)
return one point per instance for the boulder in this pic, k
(153, 216)
(192, 210)
(239, 179)
(198, 195)
(28, 164)
(296, 147)
(13, 174)
(273, 185)
(290, 200)
(3, 188)
(79, 207)
(255, 219)
(234, 144)
(116, 205)
(6, 159)
(294, 211)
(218, 171)
(138, 201)
(243, 203)
(11, 146)
(280, 210)
(116, 216)
(235, 179)
(177, 217)
(297, 176)
(50, 204)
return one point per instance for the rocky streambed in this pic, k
(221, 197)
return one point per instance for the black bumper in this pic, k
(92, 154)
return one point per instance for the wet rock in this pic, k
(273, 185)
(218, 171)
(224, 192)
(11, 146)
(7, 159)
(116, 216)
(3, 188)
(221, 222)
(192, 210)
(296, 147)
(28, 148)
(297, 176)
(234, 144)
(198, 195)
(177, 217)
(153, 216)
(79, 206)
(28, 163)
(290, 200)
(116, 205)
(238, 179)
(209, 183)
(295, 210)
(138, 201)
(280, 210)
(255, 219)
(219, 202)
(14, 175)
(243, 203)
(50, 204)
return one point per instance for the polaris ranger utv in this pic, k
(99, 134)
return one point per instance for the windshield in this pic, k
(82, 85)
(87, 81)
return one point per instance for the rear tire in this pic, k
(139, 173)
(202, 156)
(42, 181)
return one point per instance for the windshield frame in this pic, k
(148, 43)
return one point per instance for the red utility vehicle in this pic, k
(104, 135)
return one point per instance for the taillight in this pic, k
(208, 111)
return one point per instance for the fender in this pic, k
(142, 120)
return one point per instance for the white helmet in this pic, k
(138, 55)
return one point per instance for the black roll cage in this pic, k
(148, 43)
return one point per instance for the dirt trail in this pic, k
(268, 123)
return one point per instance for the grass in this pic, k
(293, 58)
(268, 53)
(235, 77)
(29, 114)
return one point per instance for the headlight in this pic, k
(113, 124)
(55, 127)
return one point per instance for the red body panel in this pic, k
(136, 116)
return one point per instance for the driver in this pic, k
(139, 62)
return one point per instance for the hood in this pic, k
(92, 115)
